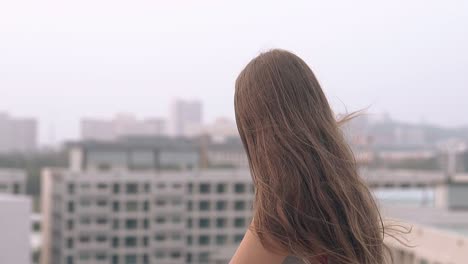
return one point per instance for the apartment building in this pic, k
(12, 181)
(17, 134)
(141, 202)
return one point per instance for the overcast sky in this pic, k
(62, 60)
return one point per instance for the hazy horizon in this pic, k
(61, 61)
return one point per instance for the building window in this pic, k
(204, 240)
(160, 220)
(71, 207)
(131, 188)
(131, 224)
(239, 205)
(132, 206)
(130, 241)
(101, 256)
(70, 224)
(69, 260)
(71, 188)
(101, 238)
(221, 239)
(221, 188)
(203, 257)
(115, 206)
(102, 186)
(204, 188)
(160, 237)
(239, 222)
(16, 188)
(145, 241)
(221, 222)
(101, 203)
(145, 223)
(160, 202)
(84, 239)
(70, 243)
(147, 187)
(189, 240)
(190, 188)
(101, 220)
(189, 223)
(130, 259)
(115, 259)
(204, 205)
(189, 205)
(221, 205)
(146, 206)
(239, 188)
(204, 223)
(116, 188)
(115, 224)
(145, 259)
(175, 254)
(115, 242)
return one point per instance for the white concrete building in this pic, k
(186, 118)
(124, 216)
(141, 202)
(17, 134)
(15, 226)
(12, 181)
(122, 125)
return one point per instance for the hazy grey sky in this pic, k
(62, 60)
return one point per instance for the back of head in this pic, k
(309, 199)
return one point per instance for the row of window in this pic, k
(130, 188)
(134, 188)
(205, 240)
(133, 241)
(206, 188)
(133, 223)
(116, 259)
(132, 206)
(219, 222)
(133, 258)
(206, 205)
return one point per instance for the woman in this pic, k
(309, 199)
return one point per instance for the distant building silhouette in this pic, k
(186, 118)
(17, 134)
(121, 125)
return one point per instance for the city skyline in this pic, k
(137, 57)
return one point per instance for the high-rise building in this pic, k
(17, 134)
(186, 118)
(12, 181)
(15, 225)
(122, 125)
(140, 202)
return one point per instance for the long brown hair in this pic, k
(309, 198)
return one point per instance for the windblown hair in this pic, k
(309, 199)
